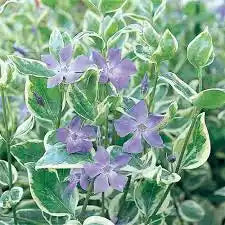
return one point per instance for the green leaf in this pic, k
(159, 11)
(41, 101)
(97, 220)
(28, 151)
(220, 192)
(129, 213)
(203, 42)
(31, 67)
(147, 195)
(4, 175)
(73, 222)
(91, 21)
(55, 43)
(24, 128)
(80, 103)
(166, 49)
(191, 211)
(178, 85)
(11, 197)
(198, 147)
(209, 99)
(50, 194)
(57, 157)
(107, 6)
(3, 6)
(6, 72)
(50, 3)
(150, 35)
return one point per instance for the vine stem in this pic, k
(177, 167)
(152, 96)
(8, 141)
(200, 79)
(88, 195)
(103, 204)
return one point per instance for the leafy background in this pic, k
(25, 28)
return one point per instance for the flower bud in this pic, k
(145, 84)
(200, 50)
(171, 158)
(167, 47)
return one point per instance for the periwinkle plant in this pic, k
(87, 84)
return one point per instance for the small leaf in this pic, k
(147, 195)
(191, 211)
(107, 6)
(150, 35)
(41, 101)
(57, 157)
(166, 49)
(91, 22)
(129, 212)
(55, 43)
(31, 67)
(11, 197)
(97, 220)
(24, 128)
(4, 175)
(220, 192)
(203, 42)
(209, 99)
(178, 85)
(50, 194)
(79, 102)
(198, 147)
(28, 151)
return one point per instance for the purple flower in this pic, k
(77, 137)
(106, 171)
(141, 125)
(77, 176)
(65, 70)
(145, 84)
(114, 69)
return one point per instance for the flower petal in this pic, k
(153, 138)
(114, 56)
(78, 145)
(101, 183)
(153, 120)
(121, 160)
(72, 77)
(104, 77)
(98, 60)
(126, 67)
(117, 181)
(80, 64)
(84, 182)
(120, 81)
(139, 111)
(88, 131)
(65, 53)
(102, 156)
(50, 61)
(134, 144)
(54, 81)
(125, 125)
(62, 134)
(92, 169)
(75, 124)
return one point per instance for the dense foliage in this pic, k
(112, 112)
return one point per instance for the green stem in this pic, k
(152, 96)
(88, 195)
(200, 79)
(58, 121)
(123, 199)
(103, 204)
(8, 141)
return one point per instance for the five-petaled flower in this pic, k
(77, 137)
(141, 124)
(65, 70)
(114, 69)
(106, 171)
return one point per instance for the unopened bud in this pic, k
(171, 158)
